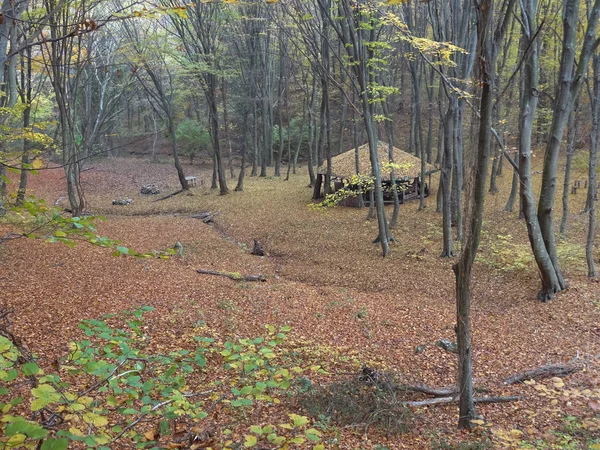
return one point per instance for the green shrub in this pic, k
(111, 385)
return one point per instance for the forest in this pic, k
(311, 224)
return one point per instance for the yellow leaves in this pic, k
(558, 383)
(37, 163)
(395, 2)
(95, 419)
(250, 441)
(510, 438)
(516, 434)
(16, 440)
(150, 435)
(76, 431)
(85, 400)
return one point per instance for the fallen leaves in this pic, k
(326, 271)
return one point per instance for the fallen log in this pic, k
(446, 400)
(435, 392)
(548, 371)
(206, 216)
(168, 196)
(235, 276)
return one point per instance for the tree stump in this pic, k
(258, 249)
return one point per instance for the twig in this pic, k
(154, 408)
(104, 380)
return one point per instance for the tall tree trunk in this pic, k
(569, 88)
(211, 97)
(486, 55)
(593, 166)
(26, 98)
(514, 188)
(226, 124)
(246, 139)
(528, 107)
(445, 182)
(573, 126)
(180, 174)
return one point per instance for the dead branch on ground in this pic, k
(235, 276)
(168, 196)
(206, 216)
(446, 400)
(548, 371)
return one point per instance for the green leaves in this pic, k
(44, 395)
(21, 426)
(30, 369)
(55, 444)
(251, 441)
(122, 383)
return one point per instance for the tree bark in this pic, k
(593, 166)
(569, 88)
(572, 127)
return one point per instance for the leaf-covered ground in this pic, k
(347, 306)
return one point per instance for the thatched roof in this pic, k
(344, 165)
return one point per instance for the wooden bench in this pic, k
(191, 181)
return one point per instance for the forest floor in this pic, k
(346, 305)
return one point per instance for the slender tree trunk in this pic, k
(255, 150)
(593, 166)
(311, 134)
(569, 88)
(26, 98)
(445, 182)
(514, 189)
(242, 175)
(182, 181)
(572, 127)
(226, 125)
(211, 97)
(528, 107)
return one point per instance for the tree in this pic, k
(593, 167)
(200, 31)
(569, 88)
(152, 68)
(356, 30)
(488, 40)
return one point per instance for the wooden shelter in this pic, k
(407, 176)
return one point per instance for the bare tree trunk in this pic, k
(213, 117)
(226, 124)
(571, 139)
(26, 98)
(528, 107)
(445, 183)
(514, 189)
(569, 88)
(593, 166)
(486, 55)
